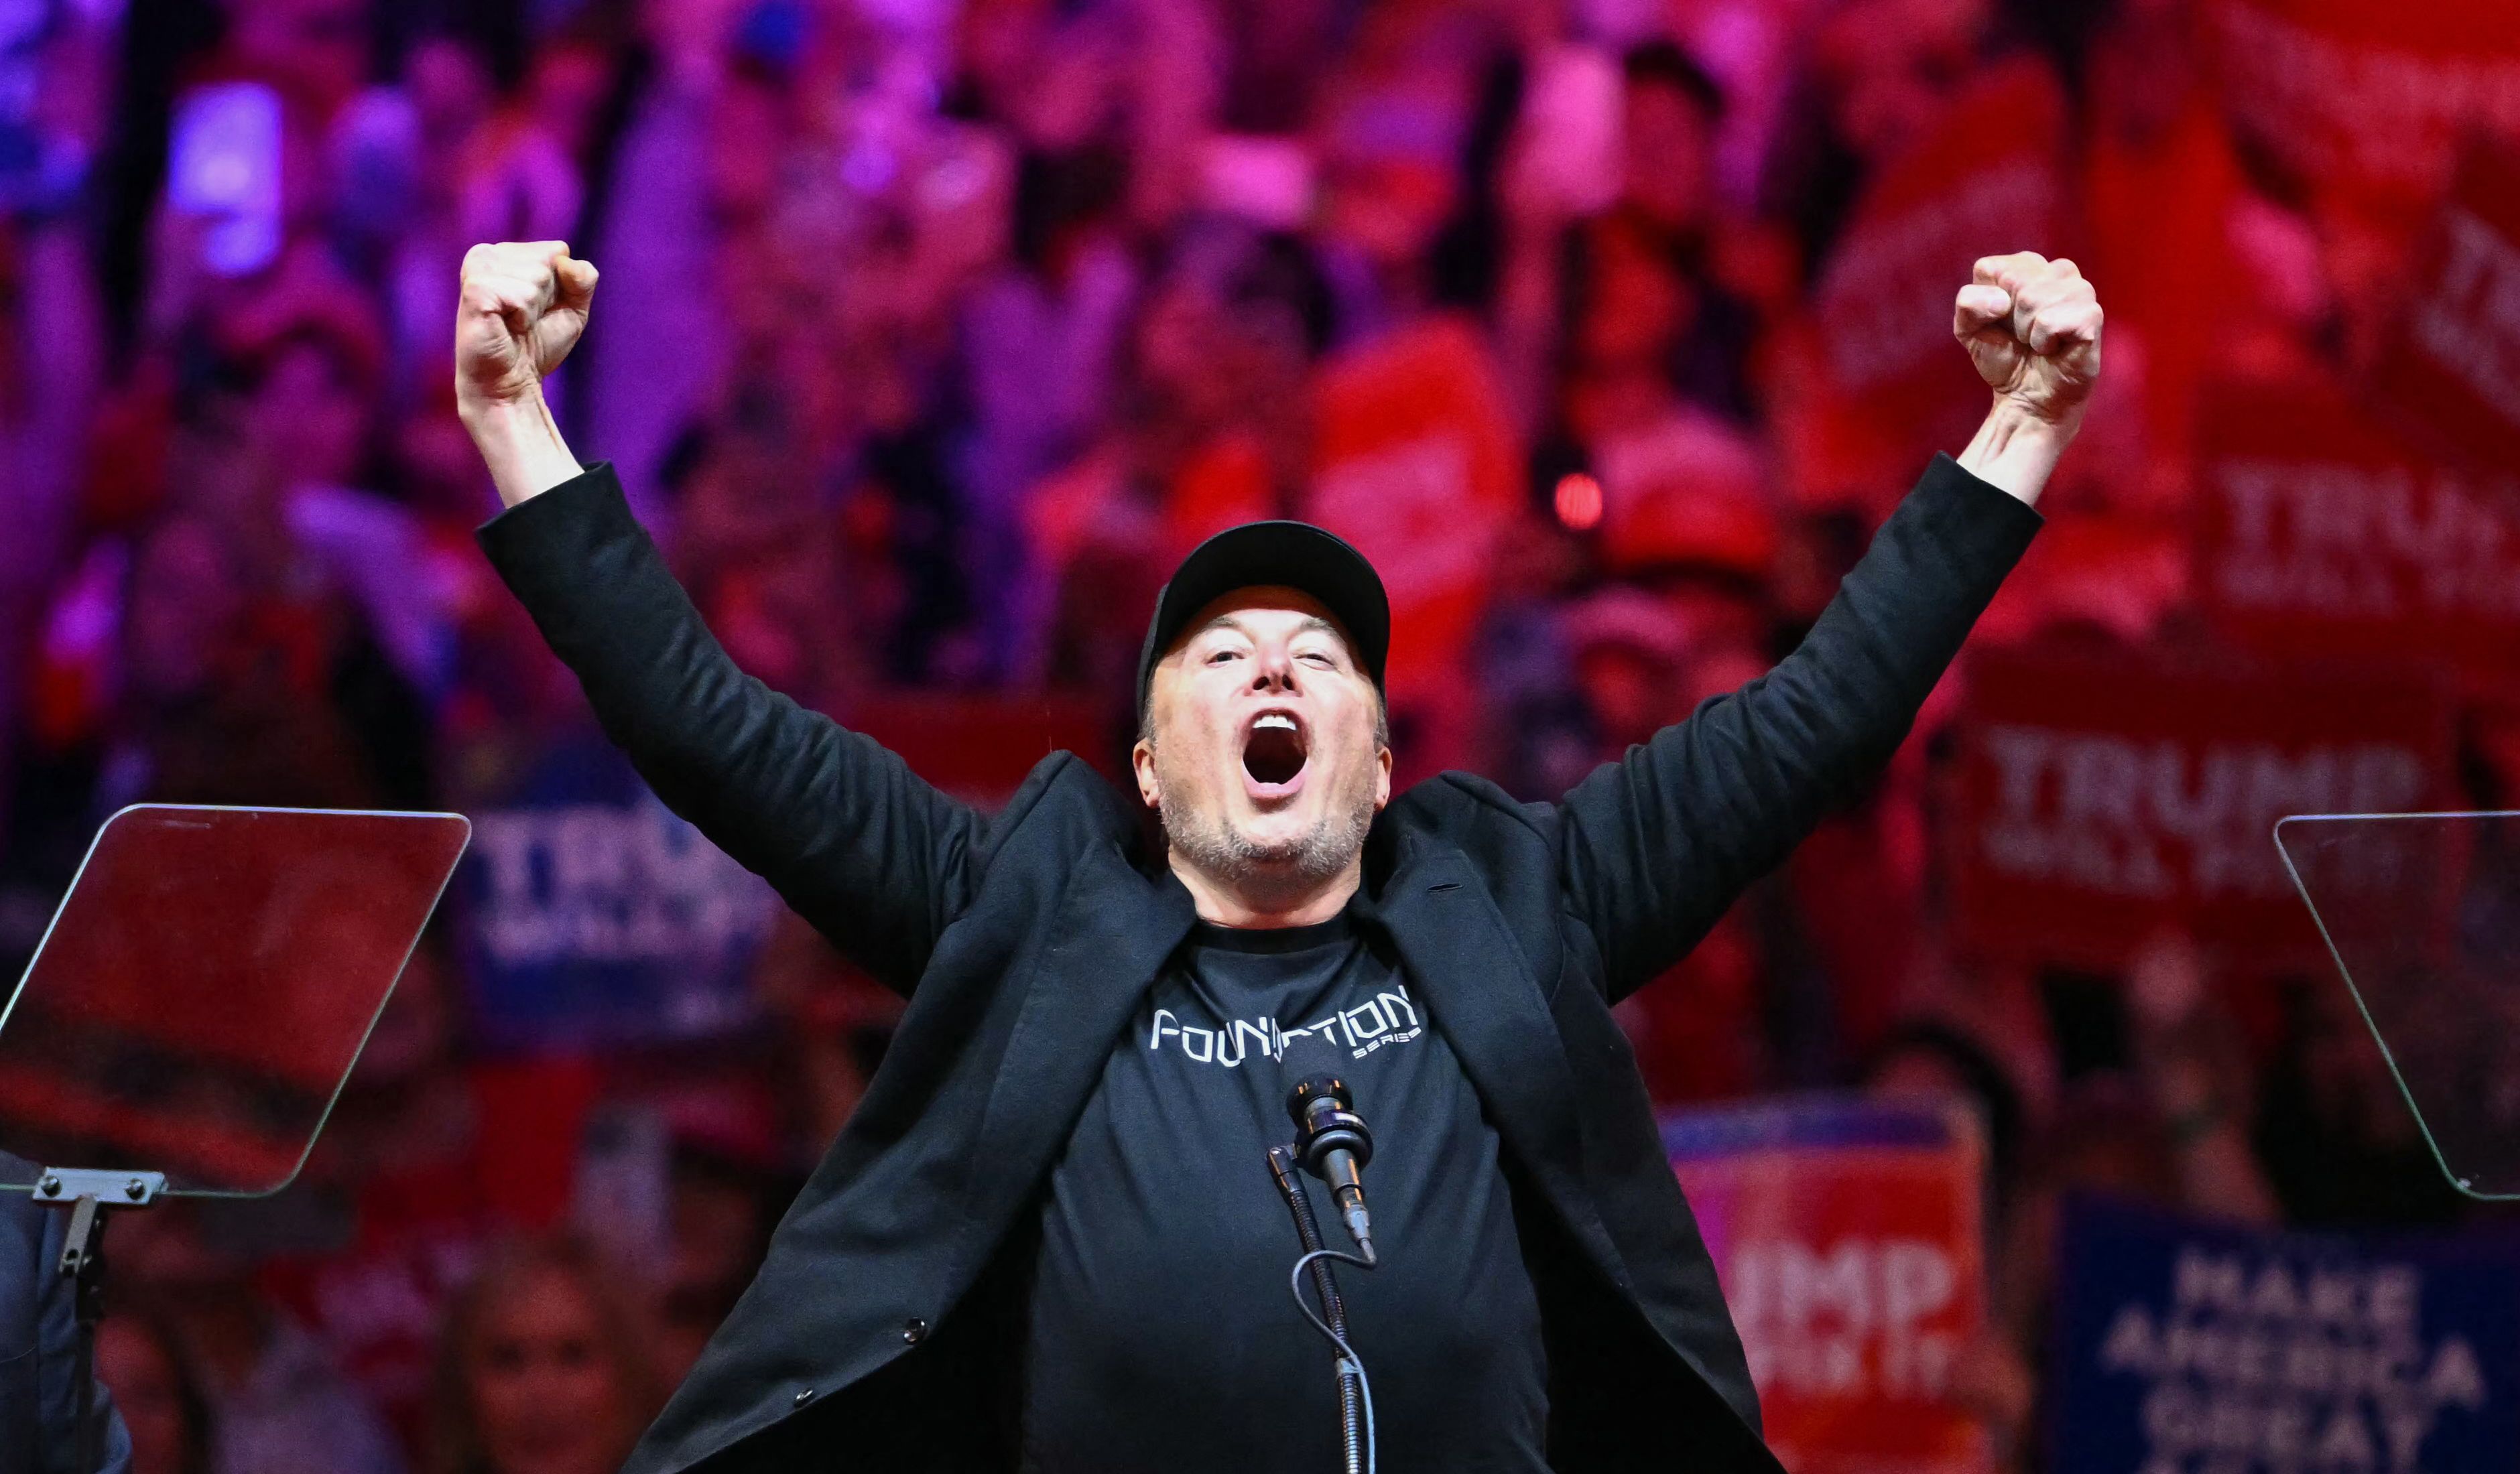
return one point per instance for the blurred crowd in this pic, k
(930, 334)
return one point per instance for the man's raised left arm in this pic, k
(1655, 847)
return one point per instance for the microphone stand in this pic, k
(1308, 1231)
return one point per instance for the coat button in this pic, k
(804, 1397)
(914, 1330)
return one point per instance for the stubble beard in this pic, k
(1213, 847)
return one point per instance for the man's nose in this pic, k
(1273, 670)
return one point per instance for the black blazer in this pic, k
(893, 1292)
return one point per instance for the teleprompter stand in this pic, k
(86, 1195)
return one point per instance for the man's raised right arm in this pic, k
(874, 857)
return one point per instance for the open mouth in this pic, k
(1274, 752)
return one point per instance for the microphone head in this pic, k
(1326, 1121)
(1329, 1090)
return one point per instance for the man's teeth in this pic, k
(1273, 721)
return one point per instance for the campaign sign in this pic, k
(1983, 180)
(2103, 797)
(2318, 532)
(2367, 99)
(2451, 366)
(1846, 1234)
(1415, 463)
(590, 915)
(2187, 1347)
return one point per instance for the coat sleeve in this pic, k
(876, 859)
(1655, 847)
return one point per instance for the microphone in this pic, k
(1332, 1144)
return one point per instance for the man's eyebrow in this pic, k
(1313, 623)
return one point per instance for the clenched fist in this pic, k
(523, 306)
(2032, 328)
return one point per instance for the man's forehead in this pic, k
(1263, 608)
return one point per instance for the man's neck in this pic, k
(1246, 903)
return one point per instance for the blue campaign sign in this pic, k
(591, 915)
(2186, 1347)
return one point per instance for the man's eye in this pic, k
(1318, 658)
(1218, 655)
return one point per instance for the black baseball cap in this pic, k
(1289, 554)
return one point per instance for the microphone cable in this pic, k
(1350, 1363)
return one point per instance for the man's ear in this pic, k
(1141, 761)
(1381, 775)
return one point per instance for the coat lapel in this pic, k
(1115, 929)
(1482, 994)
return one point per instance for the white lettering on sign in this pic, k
(2149, 818)
(608, 884)
(1847, 1321)
(2365, 542)
(2330, 105)
(2261, 1364)
(2470, 321)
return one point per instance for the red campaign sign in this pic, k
(1415, 463)
(1983, 181)
(1846, 1234)
(1415, 460)
(980, 748)
(2318, 532)
(2451, 364)
(2368, 99)
(2104, 798)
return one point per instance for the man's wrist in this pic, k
(2016, 448)
(522, 444)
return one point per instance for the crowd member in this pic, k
(411, 1180)
(161, 1404)
(543, 1369)
(278, 1400)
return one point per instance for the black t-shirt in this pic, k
(1163, 1337)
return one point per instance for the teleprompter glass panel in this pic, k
(2422, 914)
(206, 986)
